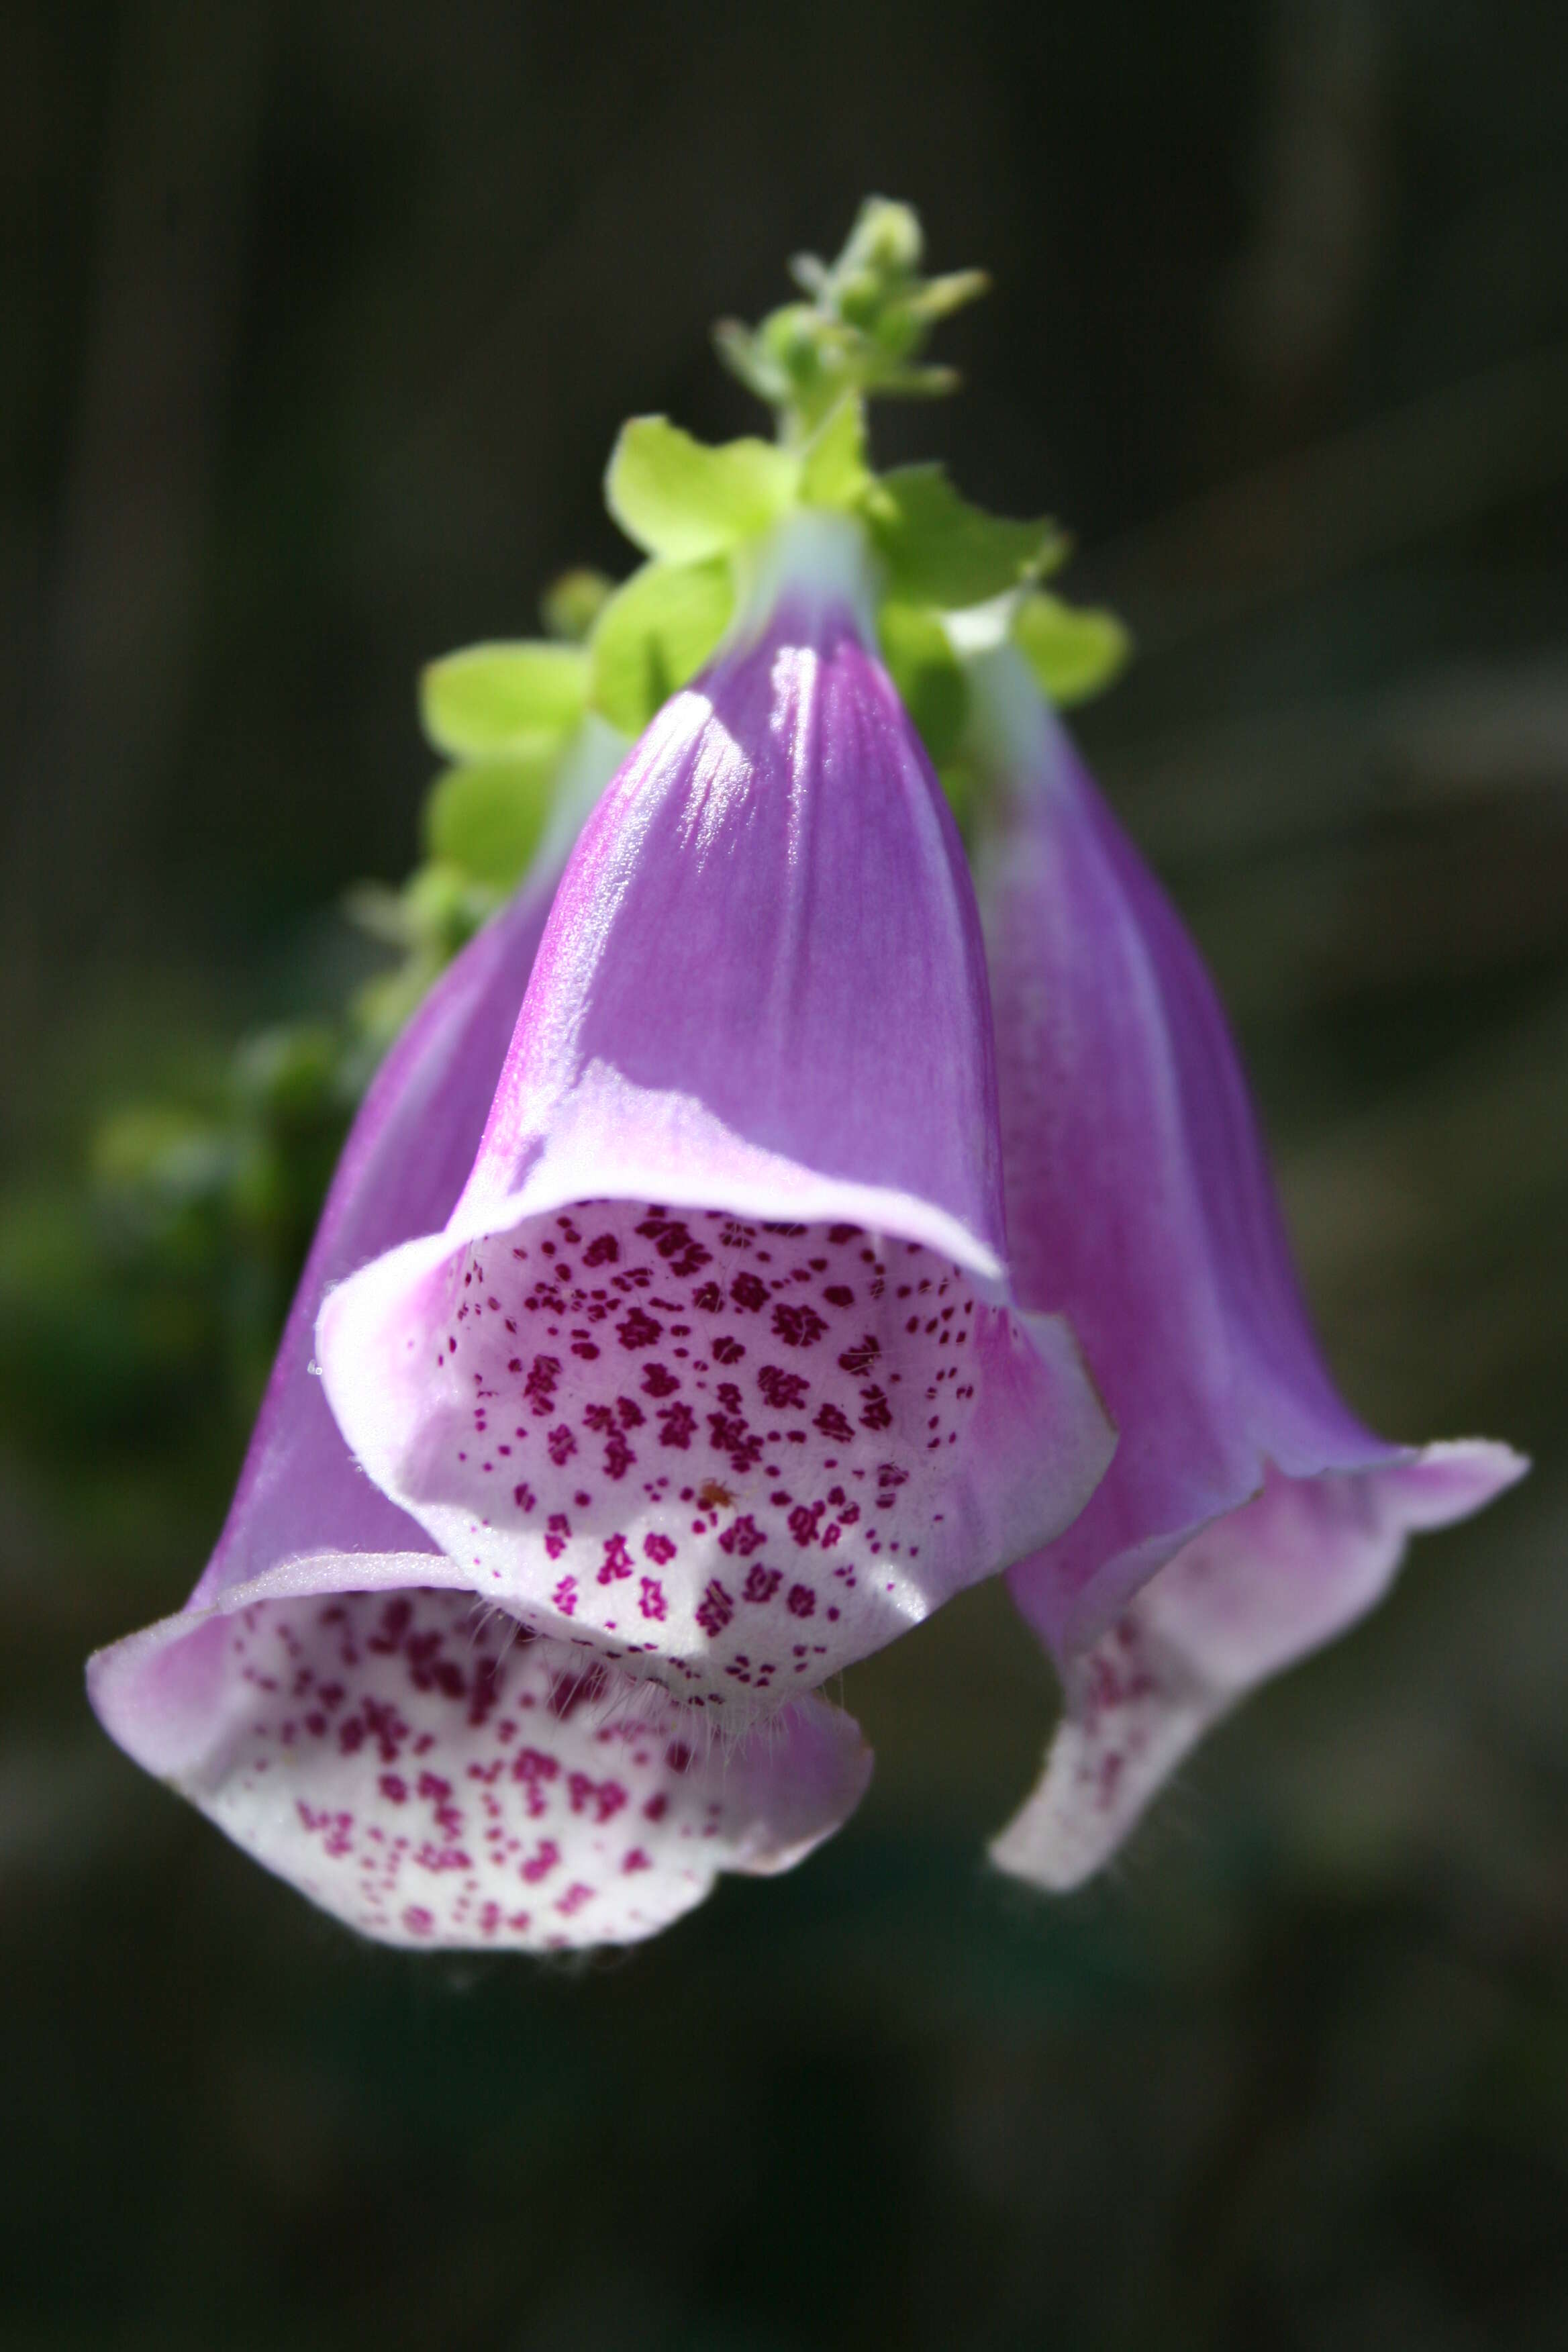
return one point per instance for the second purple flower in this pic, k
(1249, 1515)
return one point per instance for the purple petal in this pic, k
(1140, 1205)
(713, 1367)
(432, 1775)
(299, 1492)
(410, 1147)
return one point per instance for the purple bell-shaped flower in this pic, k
(714, 1370)
(1248, 1516)
(331, 1697)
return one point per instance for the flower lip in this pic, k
(761, 1002)
(433, 1775)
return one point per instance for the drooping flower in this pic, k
(333, 1697)
(1248, 1516)
(713, 1371)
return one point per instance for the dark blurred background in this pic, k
(317, 325)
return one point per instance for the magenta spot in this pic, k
(878, 1414)
(677, 1425)
(804, 1522)
(731, 1433)
(617, 1559)
(799, 1327)
(784, 1391)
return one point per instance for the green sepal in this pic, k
(496, 697)
(679, 498)
(486, 817)
(654, 635)
(1075, 651)
(928, 674)
(938, 549)
(833, 472)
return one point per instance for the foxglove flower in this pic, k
(331, 1697)
(1248, 1516)
(713, 1371)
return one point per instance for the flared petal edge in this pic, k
(1243, 1598)
(732, 1456)
(424, 1769)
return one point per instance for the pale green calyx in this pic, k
(819, 556)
